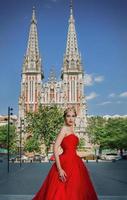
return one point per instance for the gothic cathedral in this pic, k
(67, 92)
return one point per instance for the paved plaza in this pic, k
(109, 179)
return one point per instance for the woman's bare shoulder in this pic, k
(63, 130)
(61, 133)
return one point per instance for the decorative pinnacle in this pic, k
(71, 7)
(33, 16)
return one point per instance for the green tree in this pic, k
(96, 129)
(81, 145)
(13, 137)
(32, 145)
(116, 133)
(45, 124)
(111, 133)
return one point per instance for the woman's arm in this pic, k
(62, 173)
(58, 141)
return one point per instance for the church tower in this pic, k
(73, 75)
(32, 75)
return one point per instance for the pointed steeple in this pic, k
(72, 56)
(32, 48)
(31, 83)
(32, 62)
(72, 71)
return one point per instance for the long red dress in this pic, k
(78, 185)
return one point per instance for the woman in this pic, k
(68, 178)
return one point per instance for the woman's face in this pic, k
(70, 118)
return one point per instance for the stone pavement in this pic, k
(109, 179)
(29, 197)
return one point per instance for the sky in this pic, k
(101, 27)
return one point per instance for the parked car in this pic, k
(12, 158)
(23, 158)
(110, 156)
(31, 158)
(37, 158)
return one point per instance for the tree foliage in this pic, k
(44, 125)
(81, 145)
(96, 129)
(4, 137)
(117, 133)
(111, 133)
(32, 145)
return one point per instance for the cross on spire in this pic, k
(71, 7)
(33, 20)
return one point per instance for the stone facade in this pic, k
(69, 91)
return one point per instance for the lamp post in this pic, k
(20, 146)
(8, 136)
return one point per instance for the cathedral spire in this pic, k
(31, 83)
(72, 72)
(32, 48)
(72, 46)
(32, 61)
(72, 58)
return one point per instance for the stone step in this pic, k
(29, 197)
(112, 197)
(15, 197)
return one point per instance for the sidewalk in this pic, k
(29, 197)
(109, 178)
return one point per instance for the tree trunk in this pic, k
(121, 152)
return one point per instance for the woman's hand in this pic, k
(62, 175)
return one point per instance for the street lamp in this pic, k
(20, 132)
(8, 134)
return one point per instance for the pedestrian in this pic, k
(68, 178)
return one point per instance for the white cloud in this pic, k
(124, 94)
(104, 103)
(92, 95)
(112, 95)
(99, 79)
(90, 79)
